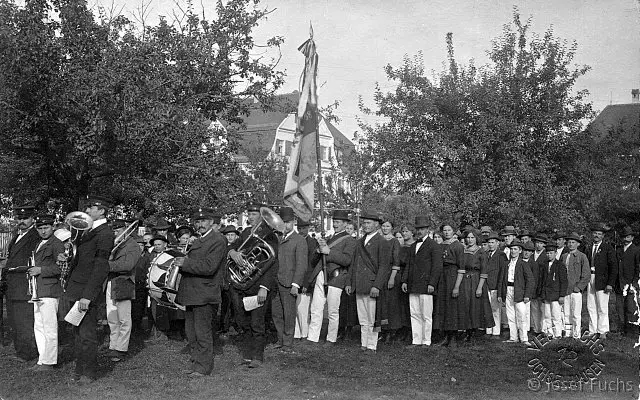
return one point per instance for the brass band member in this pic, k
(85, 285)
(19, 311)
(254, 354)
(120, 291)
(199, 289)
(45, 311)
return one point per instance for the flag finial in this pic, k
(310, 31)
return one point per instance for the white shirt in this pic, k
(368, 237)
(21, 235)
(626, 246)
(98, 222)
(559, 252)
(512, 270)
(595, 250)
(41, 243)
(536, 255)
(419, 244)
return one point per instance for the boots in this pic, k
(447, 339)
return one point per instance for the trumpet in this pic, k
(32, 282)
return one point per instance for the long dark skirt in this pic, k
(474, 312)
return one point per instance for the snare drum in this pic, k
(156, 279)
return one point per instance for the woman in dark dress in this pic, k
(473, 294)
(391, 296)
(408, 232)
(446, 315)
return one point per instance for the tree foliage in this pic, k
(94, 104)
(483, 144)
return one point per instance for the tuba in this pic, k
(255, 252)
(79, 223)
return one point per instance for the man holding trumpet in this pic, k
(199, 290)
(47, 276)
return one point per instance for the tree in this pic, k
(97, 105)
(483, 143)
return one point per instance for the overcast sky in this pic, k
(356, 38)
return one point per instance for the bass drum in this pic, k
(156, 280)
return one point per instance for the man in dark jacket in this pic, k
(516, 290)
(338, 252)
(260, 287)
(368, 275)
(121, 290)
(496, 263)
(19, 311)
(552, 289)
(303, 302)
(604, 272)
(420, 279)
(628, 256)
(292, 264)
(45, 311)
(199, 290)
(85, 286)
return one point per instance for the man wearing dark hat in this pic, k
(368, 275)
(254, 320)
(231, 233)
(578, 276)
(538, 261)
(420, 279)
(561, 242)
(604, 273)
(139, 303)
(553, 286)
(338, 252)
(202, 270)
(508, 235)
(45, 311)
(85, 285)
(161, 228)
(496, 263)
(628, 275)
(525, 236)
(535, 305)
(516, 289)
(292, 264)
(19, 311)
(120, 290)
(303, 301)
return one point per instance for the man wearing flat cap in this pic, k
(292, 264)
(19, 311)
(604, 273)
(628, 275)
(254, 320)
(202, 270)
(45, 311)
(578, 276)
(120, 290)
(338, 252)
(85, 285)
(368, 275)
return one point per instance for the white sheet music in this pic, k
(75, 316)
(251, 303)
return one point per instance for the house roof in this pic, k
(616, 116)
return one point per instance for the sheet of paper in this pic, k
(75, 316)
(251, 303)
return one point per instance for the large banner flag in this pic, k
(303, 163)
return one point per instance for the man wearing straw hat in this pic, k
(368, 275)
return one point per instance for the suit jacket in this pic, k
(628, 266)
(495, 265)
(312, 246)
(363, 277)
(92, 264)
(122, 268)
(424, 267)
(202, 271)
(292, 260)
(49, 279)
(18, 255)
(553, 281)
(578, 271)
(523, 283)
(604, 264)
(338, 260)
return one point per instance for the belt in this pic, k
(509, 283)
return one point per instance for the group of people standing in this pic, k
(393, 285)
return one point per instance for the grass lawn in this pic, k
(488, 369)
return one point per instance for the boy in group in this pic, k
(553, 286)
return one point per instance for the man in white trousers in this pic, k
(48, 291)
(338, 252)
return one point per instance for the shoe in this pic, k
(276, 346)
(362, 348)
(509, 341)
(526, 343)
(287, 350)
(328, 344)
(412, 346)
(372, 350)
(195, 374)
(42, 368)
(245, 361)
(255, 364)
(425, 346)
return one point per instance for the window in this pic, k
(279, 147)
(288, 145)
